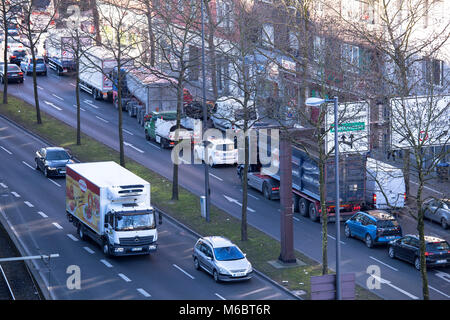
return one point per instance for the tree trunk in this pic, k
(244, 233)
(406, 172)
(151, 34)
(212, 52)
(98, 37)
(119, 110)
(5, 76)
(323, 208)
(36, 95)
(175, 165)
(77, 95)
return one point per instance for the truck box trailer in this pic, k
(111, 205)
(305, 179)
(59, 46)
(96, 65)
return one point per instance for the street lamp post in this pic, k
(205, 115)
(315, 102)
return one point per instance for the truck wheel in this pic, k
(266, 191)
(313, 214)
(106, 248)
(303, 206)
(81, 232)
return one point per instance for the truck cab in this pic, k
(161, 127)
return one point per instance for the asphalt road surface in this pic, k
(99, 120)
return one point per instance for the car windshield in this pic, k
(446, 205)
(228, 253)
(57, 155)
(19, 53)
(143, 221)
(438, 246)
(387, 223)
(13, 67)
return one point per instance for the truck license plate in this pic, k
(136, 249)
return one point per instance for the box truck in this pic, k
(111, 205)
(305, 178)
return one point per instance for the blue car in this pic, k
(373, 227)
(27, 65)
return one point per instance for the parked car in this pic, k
(16, 56)
(27, 65)
(219, 151)
(407, 248)
(438, 210)
(222, 259)
(52, 161)
(13, 74)
(373, 226)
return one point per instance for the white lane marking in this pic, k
(3, 185)
(40, 88)
(183, 271)
(220, 297)
(383, 263)
(133, 147)
(73, 85)
(342, 242)
(444, 276)
(52, 105)
(57, 97)
(89, 250)
(6, 150)
(90, 104)
(105, 121)
(126, 131)
(214, 176)
(384, 281)
(445, 295)
(106, 263)
(71, 236)
(296, 219)
(124, 277)
(431, 189)
(237, 202)
(43, 215)
(144, 293)
(54, 182)
(254, 197)
(75, 106)
(15, 194)
(57, 225)
(29, 204)
(29, 166)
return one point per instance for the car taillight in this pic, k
(275, 188)
(374, 198)
(404, 196)
(13, 57)
(428, 254)
(20, 73)
(356, 208)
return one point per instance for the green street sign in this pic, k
(352, 126)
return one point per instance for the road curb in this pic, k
(194, 233)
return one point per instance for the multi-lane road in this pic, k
(99, 120)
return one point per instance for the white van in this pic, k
(385, 185)
(228, 113)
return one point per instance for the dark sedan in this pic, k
(437, 252)
(17, 56)
(14, 73)
(52, 161)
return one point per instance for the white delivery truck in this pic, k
(58, 50)
(96, 65)
(111, 205)
(385, 185)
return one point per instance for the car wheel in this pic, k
(417, 263)
(391, 252)
(313, 214)
(46, 172)
(303, 207)
(347, 231)
(266, 192)
(216, 276)
(196, 264)
(369, 241)
(444, 223)
(37, 165)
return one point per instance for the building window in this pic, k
(319, 49)
(225, 14)
(434, 72)
(350, 57)
(293, 43)
(267, 35)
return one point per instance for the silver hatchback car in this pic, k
(222, 259)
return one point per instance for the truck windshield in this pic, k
(141, 221)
